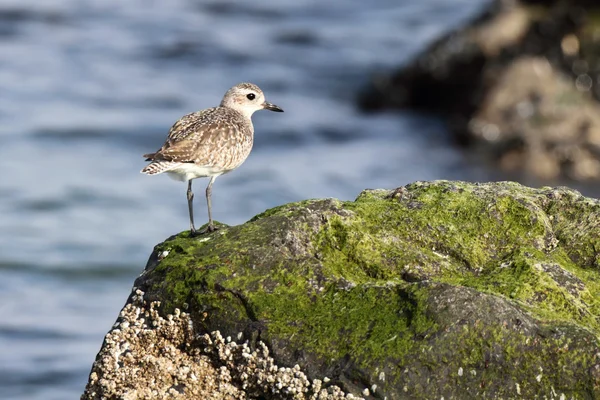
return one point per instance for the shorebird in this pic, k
(210, 143)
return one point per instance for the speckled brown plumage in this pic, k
(218, 137)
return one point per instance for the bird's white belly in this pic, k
(189, 171)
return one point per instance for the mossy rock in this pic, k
(434, 289)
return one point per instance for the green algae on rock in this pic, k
(433, 289)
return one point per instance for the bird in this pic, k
(210, 143)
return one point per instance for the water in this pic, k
(87, 86)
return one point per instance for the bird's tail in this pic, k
(158, 167)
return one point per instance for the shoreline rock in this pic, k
(434, 289)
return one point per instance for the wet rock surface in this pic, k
(543, 56)
(433, 289)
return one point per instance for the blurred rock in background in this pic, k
(519, 84)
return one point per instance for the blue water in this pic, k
(87, 86)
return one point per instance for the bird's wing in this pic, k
(179, 132)
(189, 124)
(194, 139)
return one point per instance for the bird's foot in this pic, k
(208, 229)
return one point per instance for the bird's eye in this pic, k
(251, 96)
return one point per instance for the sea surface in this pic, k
(88, 86)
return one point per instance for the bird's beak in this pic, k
(272, 107)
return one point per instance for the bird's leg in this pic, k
(190, 198)
(210, 227)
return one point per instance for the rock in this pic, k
(535, 120)
(520, 82)
(435, 289)
(146, 356)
